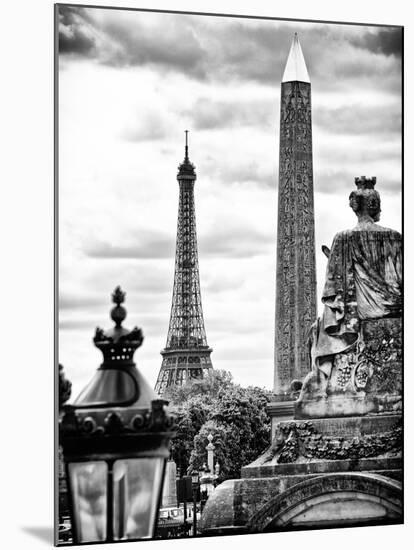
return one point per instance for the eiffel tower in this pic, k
(186, 355)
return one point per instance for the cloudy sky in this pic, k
(130, 83)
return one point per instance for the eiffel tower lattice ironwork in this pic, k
(186, 355)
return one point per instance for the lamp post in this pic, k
(210, 453)
(115, 439)
(195, 480)
(209, 473)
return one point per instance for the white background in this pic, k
(26, 217)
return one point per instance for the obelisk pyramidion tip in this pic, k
(295, 69)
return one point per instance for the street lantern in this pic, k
(195, 480)
(207, 483)
(115, 439)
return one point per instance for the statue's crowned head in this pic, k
(365, 201)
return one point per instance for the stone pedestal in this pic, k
(334, 471)
(279, 409)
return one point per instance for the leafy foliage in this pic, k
(235, 416)
(211, 386)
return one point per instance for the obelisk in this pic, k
(295, 270)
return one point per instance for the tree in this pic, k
(235, 416)
(212, 385)
(240, 428)
(190, 416)
(65, 387)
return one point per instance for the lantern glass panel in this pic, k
(89, 490)
(137, 486)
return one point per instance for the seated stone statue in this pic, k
(355, 347)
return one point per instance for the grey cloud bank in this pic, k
(207, 114)
(214, 48)
(145, 245)
(223, 240)
(358, 119)
(386, 41)
(340, 180)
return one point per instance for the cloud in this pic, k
(70, 301)
(231, 240)
(154, 283)
(258, 51)
(174, 48)
(335, 181)
(225, 240)
(207, 114)
(123, 39)
(222, 282)
(150, 322)
(147, 245)
(148, 126)
(384, 41)
(244, 172)
(146, 280)
(250, 51)
(346, 151)
(75, 33)
(223, 49)
(357, 120)
(78, 324)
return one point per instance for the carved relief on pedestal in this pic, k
(374, 365)
(299, 441)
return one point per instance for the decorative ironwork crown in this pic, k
(365, 183)
(186, 168)
(118, 344)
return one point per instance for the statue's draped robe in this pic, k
(363, 281)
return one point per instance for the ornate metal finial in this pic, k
(210, 438)
(118, 344)
(118, 296)
(365, 183)
(118, 313)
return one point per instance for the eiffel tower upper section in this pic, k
(186, 354)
